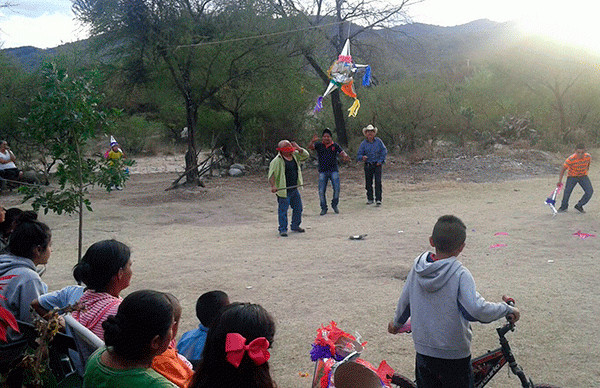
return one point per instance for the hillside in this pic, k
(415, 47)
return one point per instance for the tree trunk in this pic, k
(340, 121)
(191, 156)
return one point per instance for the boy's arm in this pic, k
(474, 307)
(562, 173)
(402, 310)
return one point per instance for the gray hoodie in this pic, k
(440, 298)
(22, 289)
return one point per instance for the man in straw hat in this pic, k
(285, 176)
(372, 152)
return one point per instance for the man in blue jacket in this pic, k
(372, 152)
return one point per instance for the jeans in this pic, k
(294, 201)
(334, 177)
(585, 184)
(372, 170)
(432, 372)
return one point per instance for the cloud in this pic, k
(37, 8)
(44, 31)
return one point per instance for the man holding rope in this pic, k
(285, 176)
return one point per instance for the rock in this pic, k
(235, 172)
(238, 166)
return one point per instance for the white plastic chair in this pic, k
(86, 342)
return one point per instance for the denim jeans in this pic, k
(443, 373)
(334, 177)
(585, 184)
(294, 201)
(373, 171)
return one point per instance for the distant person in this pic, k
(141, 330)
(208, 307)
(8, 168)
(327, 153)
(372, 152)
(227, 361)
(440, 298)
(285, 176)
(12, 218)
(30, 245)
(176, 368)
(105, 269)
(577, 166)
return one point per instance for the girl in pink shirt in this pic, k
(105, 269)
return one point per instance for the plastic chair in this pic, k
(85, 341)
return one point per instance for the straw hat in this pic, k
(369, 128)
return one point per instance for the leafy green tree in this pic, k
(63, 117)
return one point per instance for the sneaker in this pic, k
(369, 202)
(378, 203)
(579, 208)
(336, 210)
(561, 209)
(324, 211)
(298, 230)
(283, 234)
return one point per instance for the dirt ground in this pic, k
(224, 236)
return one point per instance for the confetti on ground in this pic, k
(582, 235)
(498, 245)
(302, 374)
(501, 234)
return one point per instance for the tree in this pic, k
(196, 42)
(63, 117)
(335, 22)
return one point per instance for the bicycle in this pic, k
(486, 366)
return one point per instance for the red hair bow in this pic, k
(235, 347)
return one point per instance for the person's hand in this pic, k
(392, 329)
(514, 315)
(365, 158)
(314, 138)
(559, 184)
(295, 145)
(378, 164)
(273, 189)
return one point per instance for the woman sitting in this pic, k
(8, 168)
(235, 354)
(105, 269)
(142, 329)
(30, 245)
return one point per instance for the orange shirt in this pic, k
(578, 166)
(173, 368)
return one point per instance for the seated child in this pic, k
(440, 298)
(208, 306)
(170, 364)
(227, 361)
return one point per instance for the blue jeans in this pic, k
(372, 170)
(431, 372)
(585, 184)
(294, 201)
(334, 177)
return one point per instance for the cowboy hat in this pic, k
(369, 128)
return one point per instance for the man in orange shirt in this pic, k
(578, 165)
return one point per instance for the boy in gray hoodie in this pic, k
(440, 298)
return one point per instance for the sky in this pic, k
(50, 23)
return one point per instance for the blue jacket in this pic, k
(375, 151)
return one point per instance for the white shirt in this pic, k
(7, 157)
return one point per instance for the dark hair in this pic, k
(28, 235)
(208, 306)
(449, 233)
(141, 316)
(327, 130)
(580, 146)
(11, 216)
(251, 321)
(101, 262)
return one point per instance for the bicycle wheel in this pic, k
(402, 381)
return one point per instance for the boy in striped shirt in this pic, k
(577, 165)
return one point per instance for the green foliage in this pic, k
(135, 132)
(63, 117)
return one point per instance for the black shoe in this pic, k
(579, 208)
(378, 203)
(369, 202)
(324, 211)
(336, 210)
(283, 234)
(298, 230)
(562, 209)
